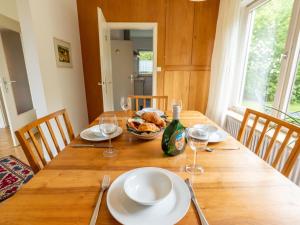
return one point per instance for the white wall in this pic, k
(8, 8)
(58, 88)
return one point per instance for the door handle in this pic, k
(6, 83)
(10, 82)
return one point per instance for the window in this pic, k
(268, 34)
(145, 62)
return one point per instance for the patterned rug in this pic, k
(13, 174)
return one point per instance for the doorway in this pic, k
(128, 57)
(132, 63)
(16, 106)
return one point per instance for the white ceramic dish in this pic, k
(148, 187)
(94, 134)
(159, 112)
(170, 211)
(215, 135)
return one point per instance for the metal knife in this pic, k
(196, 204)
(88, 146)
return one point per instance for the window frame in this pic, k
(288, 63)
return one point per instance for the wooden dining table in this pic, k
(237, 187)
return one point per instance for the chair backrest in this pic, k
(32, 138)
(161, 101)
(277, 126)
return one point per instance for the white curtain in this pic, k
(223, 60)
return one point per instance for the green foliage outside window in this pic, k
(267, 43)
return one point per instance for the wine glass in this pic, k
(125, 103)
(108, 125)
(197, 140)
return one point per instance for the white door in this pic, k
(14, 82)
(122, 70)
(105, 58)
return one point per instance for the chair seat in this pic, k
(13, 174)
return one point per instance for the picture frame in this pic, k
(63, 53)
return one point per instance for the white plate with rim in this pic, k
(215, 135)
(157, 111)
(170, 211)
(94, 134)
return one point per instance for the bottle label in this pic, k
(177, 140)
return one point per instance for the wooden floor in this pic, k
(7, 147)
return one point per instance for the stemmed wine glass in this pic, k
(125, 104)
(108, 125)
(197, 140)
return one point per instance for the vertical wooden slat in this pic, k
(61, 130)
(45, 142)
(20, 134)
(271, 144)
(151, 102)
(136, 104)
(292, 159)
(53, 136)
(262, 136)
(282, 148)
(252, 131)
(166, 104)
(69, 126)
(37, 147)
(144, 103)
(243, 126)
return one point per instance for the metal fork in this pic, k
(104, 187)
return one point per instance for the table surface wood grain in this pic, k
(237, 187)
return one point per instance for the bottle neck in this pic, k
(176, 113)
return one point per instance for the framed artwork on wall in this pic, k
(62, 53)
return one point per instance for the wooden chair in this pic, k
(277, 126)
(161, 101)
(32, 138)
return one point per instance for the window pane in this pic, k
(294, 105)
(267, 41)
(145, 62)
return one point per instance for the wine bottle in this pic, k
(174, 140)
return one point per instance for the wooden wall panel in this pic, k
(205, 20)
(179, 32)
(198, 90)
(176, 86)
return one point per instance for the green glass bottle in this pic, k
(174, 140)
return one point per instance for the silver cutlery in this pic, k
(202, 218)
(104, 187)
(89, 146)
(208, 149)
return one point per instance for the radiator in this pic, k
(232, 126)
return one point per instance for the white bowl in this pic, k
(149, 187)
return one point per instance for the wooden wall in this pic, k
(186, 32)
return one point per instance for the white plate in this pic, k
(168, 212)
(94, 134)
(215, 135)
(159, 112)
